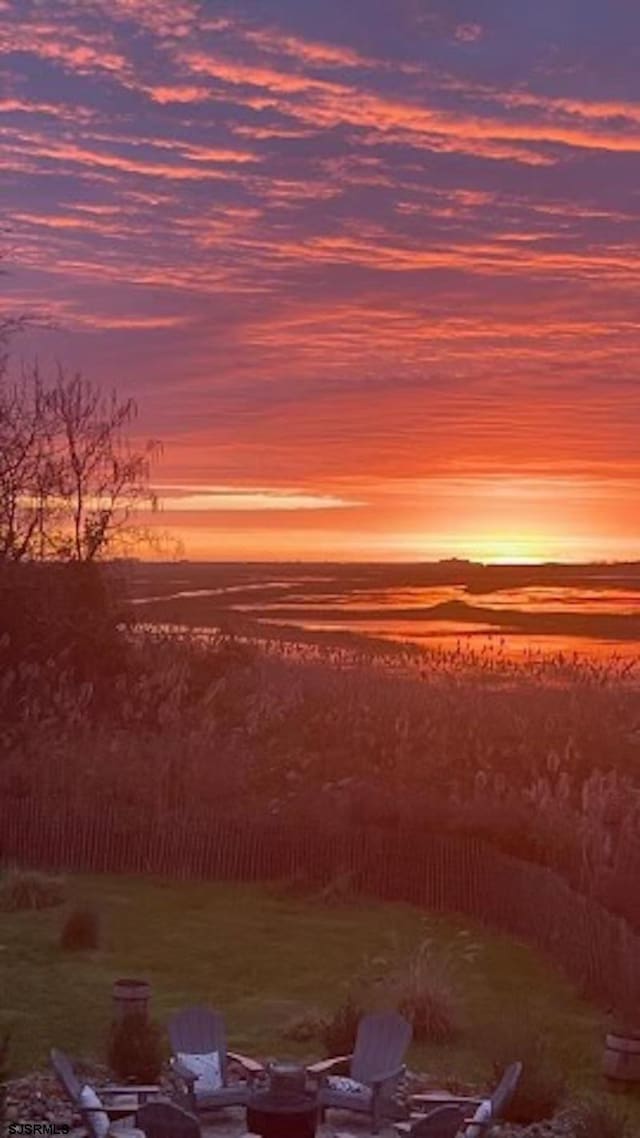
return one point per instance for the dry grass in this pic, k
(28, 889)
(427, 989)
(540, 758)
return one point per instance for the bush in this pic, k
(81, 931)
(136, 1049)
(28, 889)
(339, 1032)
(596, 1118)
(427, 989)
(433, 1011)
(68, 613)
(542, 1087)
(305, 1028)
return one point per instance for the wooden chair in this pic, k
(166, 1120)
(441, 1122)
(467, 1118)
(374, 1068)
(198, 1032)
(99, 1118)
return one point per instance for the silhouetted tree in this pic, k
(100, 480)
(26, 476)
(70, 481)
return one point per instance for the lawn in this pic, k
(263, 957)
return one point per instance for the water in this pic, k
(577, 610)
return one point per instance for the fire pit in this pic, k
(287, 1109)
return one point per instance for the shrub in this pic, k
(542, 1087)
(305, 1028)
(136, 1048)
(596, 1118)
(427, 989)
(81, 931)
(28, 889)
(339, 1032)
(432, 1008)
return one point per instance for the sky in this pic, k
(370, 269)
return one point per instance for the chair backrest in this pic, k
(65, 1074)
(381, 1044)
(441, 1122)
(447, 1121)
(505, 1089)
(166, 1120)
(199, 1030)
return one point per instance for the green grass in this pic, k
(261, 958)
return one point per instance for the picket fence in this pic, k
(451, 874)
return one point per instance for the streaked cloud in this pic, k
(227, 499)
(335, 252)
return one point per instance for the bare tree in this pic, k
(26, 475)
(101, 481)
(70, 481)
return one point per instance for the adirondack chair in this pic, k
(99, 1118)
(466, 1118)
(200, 1057)
(374, 1068)
(166, 1120)
(441, 1122)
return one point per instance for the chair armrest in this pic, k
(114, 1114)
(326, 1066)
(130, 1088)
(251, 1065)
(483, 1116)
(443, 1098)
(184, 1072)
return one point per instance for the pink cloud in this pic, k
(468, 33)
(177, 94)
(311, 52)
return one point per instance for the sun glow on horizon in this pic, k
(494, 519)
(501, 549)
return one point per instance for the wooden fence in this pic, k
(449, 874)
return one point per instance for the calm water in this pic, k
(589, 610)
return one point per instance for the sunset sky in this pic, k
(371, 269)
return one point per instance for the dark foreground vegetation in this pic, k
(545, 767)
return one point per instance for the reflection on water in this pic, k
(584, 610)
(550, 599)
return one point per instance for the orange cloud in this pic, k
(327, 104)
(311, 52)
(40, 146)
(177, 94)
(76, 51)
(198, 499)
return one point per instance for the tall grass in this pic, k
(541, 757)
